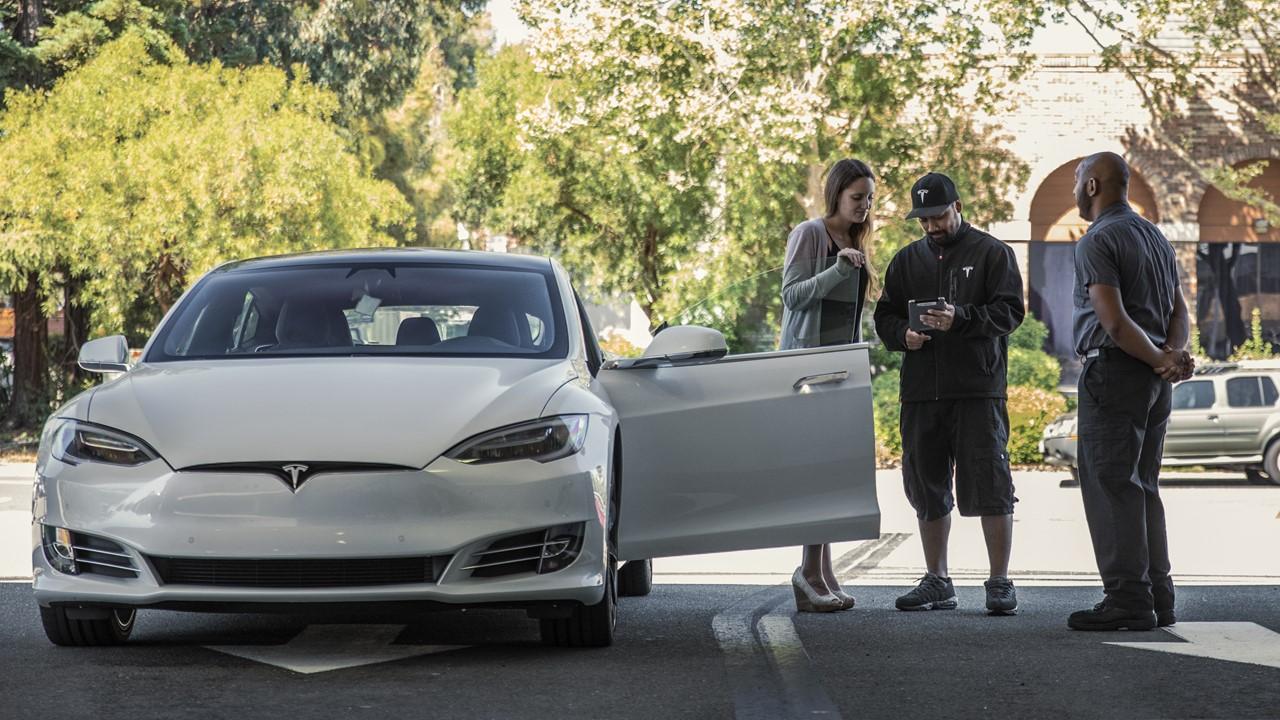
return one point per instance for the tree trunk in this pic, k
(30, 17)
(75, 328)
(168, 282)
(30, 362)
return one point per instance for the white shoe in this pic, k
(810, 600)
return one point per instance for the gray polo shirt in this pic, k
(1124, 250)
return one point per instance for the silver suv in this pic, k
(1226, 416)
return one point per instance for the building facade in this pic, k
(1229, 255)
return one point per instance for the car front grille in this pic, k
(300, 572)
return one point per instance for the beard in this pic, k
(1082, 204)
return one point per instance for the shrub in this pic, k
(615, 345)
(884, 393)
(1030, 335)
(1030, 410)
(1033, 368)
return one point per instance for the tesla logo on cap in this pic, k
(922, 192)
(296, 474)
(967, 269)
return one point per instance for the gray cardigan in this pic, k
(805, 283)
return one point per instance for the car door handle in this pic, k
(831, 378)
(1214, 418)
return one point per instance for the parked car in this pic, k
(1225, 417)
(428, 427)
(6, 363)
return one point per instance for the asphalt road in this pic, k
(718, 638)
(668, 662)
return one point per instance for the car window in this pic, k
(366, 309)
(1245, 392)
(1193, 395)
(1269, 394)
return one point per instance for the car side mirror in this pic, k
(679, 345)
(108, 354)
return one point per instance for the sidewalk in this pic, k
(15, 519)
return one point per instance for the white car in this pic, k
(428, 427)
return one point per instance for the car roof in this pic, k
(1242, 366)
(392, 255)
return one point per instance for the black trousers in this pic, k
(1123, 414)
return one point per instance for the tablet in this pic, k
(916, 309)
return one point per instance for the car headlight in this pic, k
(543, 440)
(74, 442)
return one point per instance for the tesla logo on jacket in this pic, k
(977, 274)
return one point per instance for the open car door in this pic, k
(748, 451)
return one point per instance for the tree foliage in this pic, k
(1175, 52)
(137, 173)
(665, 149)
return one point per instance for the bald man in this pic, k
(1131, 329)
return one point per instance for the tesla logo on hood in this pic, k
(297, 474)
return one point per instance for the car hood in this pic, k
(401, 411)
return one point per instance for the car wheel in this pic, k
(1271, 462)
(587, 625)
(114, 629)
(1257, 477)
(635, 579)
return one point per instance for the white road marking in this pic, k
(768, 668)
(1242, 642)
(321, 648)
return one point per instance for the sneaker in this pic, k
(1001, 598)
(933, 593)
(1105, 616)
(1165, 618)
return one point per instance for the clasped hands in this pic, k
(1175, 365)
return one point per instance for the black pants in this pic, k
(966, 437)
(1124, 410)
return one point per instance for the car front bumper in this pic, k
(447, 509)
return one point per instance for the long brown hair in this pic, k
(839, 177)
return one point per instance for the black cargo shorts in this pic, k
(966, 438)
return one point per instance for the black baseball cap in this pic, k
(931, 195)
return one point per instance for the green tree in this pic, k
(665, 150)
(137, 172)
(1175, 52)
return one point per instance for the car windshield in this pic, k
(366, 309)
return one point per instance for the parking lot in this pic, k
(718, 637)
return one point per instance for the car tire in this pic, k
(587, 625)
(635, 579)
(111, 630)
(1271, 462)
(1257, 477)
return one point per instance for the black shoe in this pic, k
(1165, 618)
(933, 593)
(1105, 616)
(1001, 598)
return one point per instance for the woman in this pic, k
(825, 283)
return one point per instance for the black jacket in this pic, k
(977, 274)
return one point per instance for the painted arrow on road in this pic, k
(321, 648)
(1243, 642)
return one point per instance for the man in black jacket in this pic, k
(953, 386)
